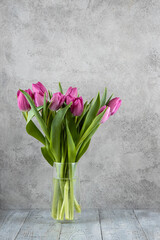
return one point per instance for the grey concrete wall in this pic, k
(88, 44)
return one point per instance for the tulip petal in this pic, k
(114, 105)
(57, 101)
(39, 88)
(106, 115)
(22, 101)
(69, 99)
(72, 92)
(38, 99)
(77, 106)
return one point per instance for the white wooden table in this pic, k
(94, 225)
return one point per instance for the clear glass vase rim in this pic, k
(59, 163)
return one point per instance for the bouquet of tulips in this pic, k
(67, 125)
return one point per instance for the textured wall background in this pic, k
(88, 44)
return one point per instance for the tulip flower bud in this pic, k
(72, 91)
(23, 104)
(39, 90)
(57, 101)
(106, 115)
(38, 99)
(114, 104)
(77, 106)
(69, 99)
(71, 94)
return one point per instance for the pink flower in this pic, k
(39, 88)
(57, 101)
(106, 115)
(38, 99)
(114, 104)
(71, 94)
(23, 104)
(39, 91)
(72, 91)
(69, 99)
(77, 106)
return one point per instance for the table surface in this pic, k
(95, 224)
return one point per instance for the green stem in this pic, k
(62, 176)
(77, 206)
(59, 208)
(75, 119)
(66, 188)
(55, 197)
(48, 117)
(62, 210)
(71, 193)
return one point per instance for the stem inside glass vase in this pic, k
(66, 194)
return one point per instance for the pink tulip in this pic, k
(69, 99)
(38, 99)
(106, 115)
(39, 88)
(114, 104)
(77, 106)
(71, 94)
(57, 101)
(23, 104)
(72, 91)
(39, 91)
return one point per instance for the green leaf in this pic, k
(93, 125)
(71, 146)
(103, 99)
(31, 113)
(60, 88)
(72, 126)
(91, 114)
(36, 113)
(46, 155)
(85, 144)
(109, 99)
(51, 115)
(44, 109)
(82, 150)
(55, 134)
(50, 94)
(63, 146)
(83, 113)
(82, 117)
(25, 115)
(35, 132)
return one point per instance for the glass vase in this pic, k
(65, 192)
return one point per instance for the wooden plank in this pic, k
(88, 227)
(120, 225)
(150, 222)
(11, 224)
(115, 225)
(51, 237)
(39, 225)
(35, 238)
